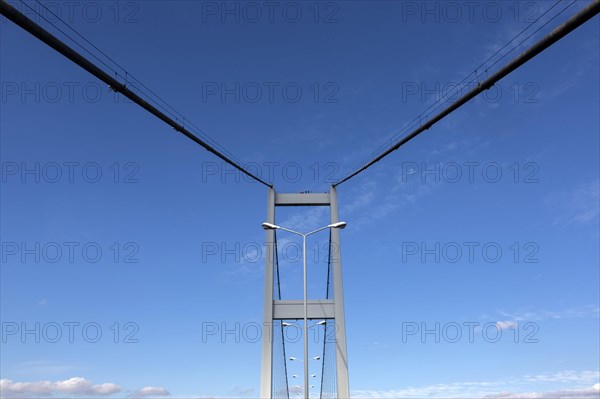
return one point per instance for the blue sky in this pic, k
(180, 238)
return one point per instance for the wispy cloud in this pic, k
(580, 205)
(306, 220)
(451, 146)
(587, 381)
(571, 313)
(568, 376)
(362, 198)
(505, 325)
(385, 205)
(35, 368)
(592, 392)
(244, 391)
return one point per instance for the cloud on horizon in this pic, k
(580, 385)
(76, 387)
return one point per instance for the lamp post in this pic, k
(270, 226)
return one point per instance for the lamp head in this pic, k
(269, 226)
(338, 225)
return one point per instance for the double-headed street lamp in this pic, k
(270, 226)
(293, 359)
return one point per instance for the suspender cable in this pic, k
(37, 31)
(573, 23)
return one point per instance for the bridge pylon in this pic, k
(330, 309)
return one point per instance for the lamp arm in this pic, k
(317, 230)
(290, 231)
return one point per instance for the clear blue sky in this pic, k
(364, 69)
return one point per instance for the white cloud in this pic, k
(583, 393)
(505, 325)
(568, 376)
(76, 387)
(72, 386)
(150, 391)
(507, 388)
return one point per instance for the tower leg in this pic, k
(341, 358)
(266, 380)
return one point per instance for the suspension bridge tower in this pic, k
(330, 309)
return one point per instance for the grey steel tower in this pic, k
(332, 310)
